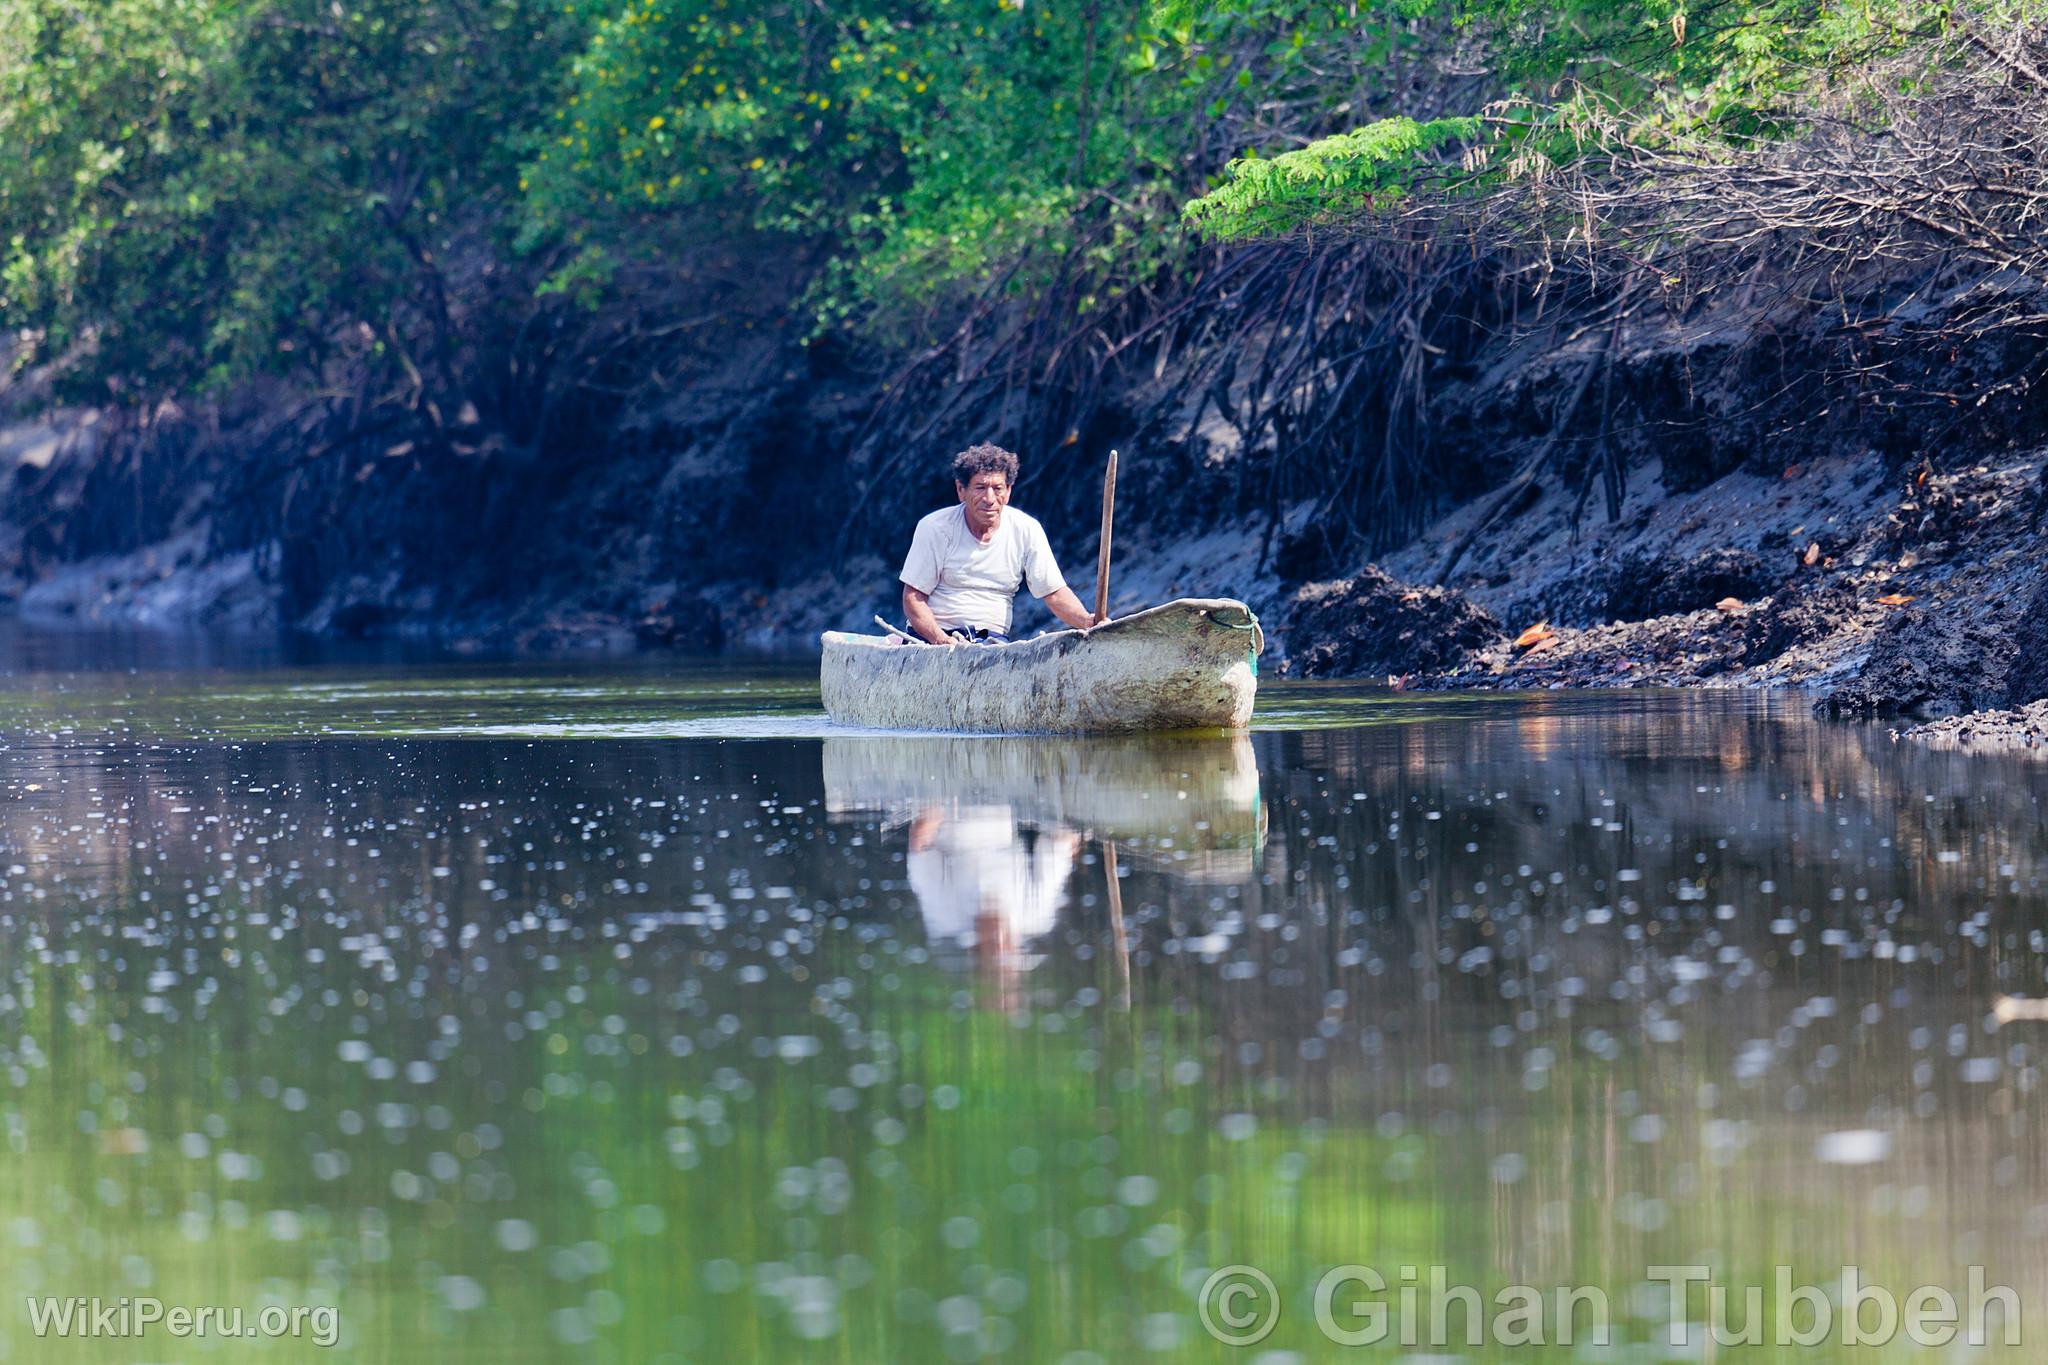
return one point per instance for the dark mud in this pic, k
(2028, 680)
(1927, 662)
(1919, 595)
(1799, 615)
(1370, 625)
(1647, 585)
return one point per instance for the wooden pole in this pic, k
(1102, 559)
(1120, 941)
(900, 634)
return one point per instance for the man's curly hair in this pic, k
(984, 459)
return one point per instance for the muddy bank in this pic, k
(1829, 577)
(2020, 729)
(1371, 626)
(1741, 535)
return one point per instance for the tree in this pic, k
(1561, 81)
(928, 144)
(196, 190)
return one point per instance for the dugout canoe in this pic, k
(1191, 664)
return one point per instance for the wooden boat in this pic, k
(1191, 664)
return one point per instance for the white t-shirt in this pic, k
(972, 583)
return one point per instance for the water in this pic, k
(632, 1014)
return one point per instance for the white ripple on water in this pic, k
(1853, 1147)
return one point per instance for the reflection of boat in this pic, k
(1162, 794)
(995, 826)
(1187, 665)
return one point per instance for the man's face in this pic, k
(984, 497)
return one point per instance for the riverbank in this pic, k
(1882, 596)
(1885, 595)
(1726, 534)
(1447, 441)
(2021, 729)
(1917, 597)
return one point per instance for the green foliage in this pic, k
(193, 190)
(1330, 180)
(1560, 76)
(196, 190)
(930, 142)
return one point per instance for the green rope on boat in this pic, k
(1252, 623)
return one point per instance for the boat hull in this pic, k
(1187, 665)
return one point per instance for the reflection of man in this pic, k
(979, 882)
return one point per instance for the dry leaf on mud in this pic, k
(1547, 642)
(1411, 596)
(1812, 555)
(1540, 631)
(1729, 604)
(1895, 599)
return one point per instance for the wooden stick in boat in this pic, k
(900, 634)
(1102, 559)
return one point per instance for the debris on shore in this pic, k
(1372, 625)
(1868, 602)
(2022, 728)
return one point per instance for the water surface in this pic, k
(619, 1013)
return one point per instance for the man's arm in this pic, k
(917, 612)
(1067, 607)
(1041, 570)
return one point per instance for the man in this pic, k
(967, 562)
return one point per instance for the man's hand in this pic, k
(917, 612)
(1068, 608)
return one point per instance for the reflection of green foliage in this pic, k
(1053, 1179)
